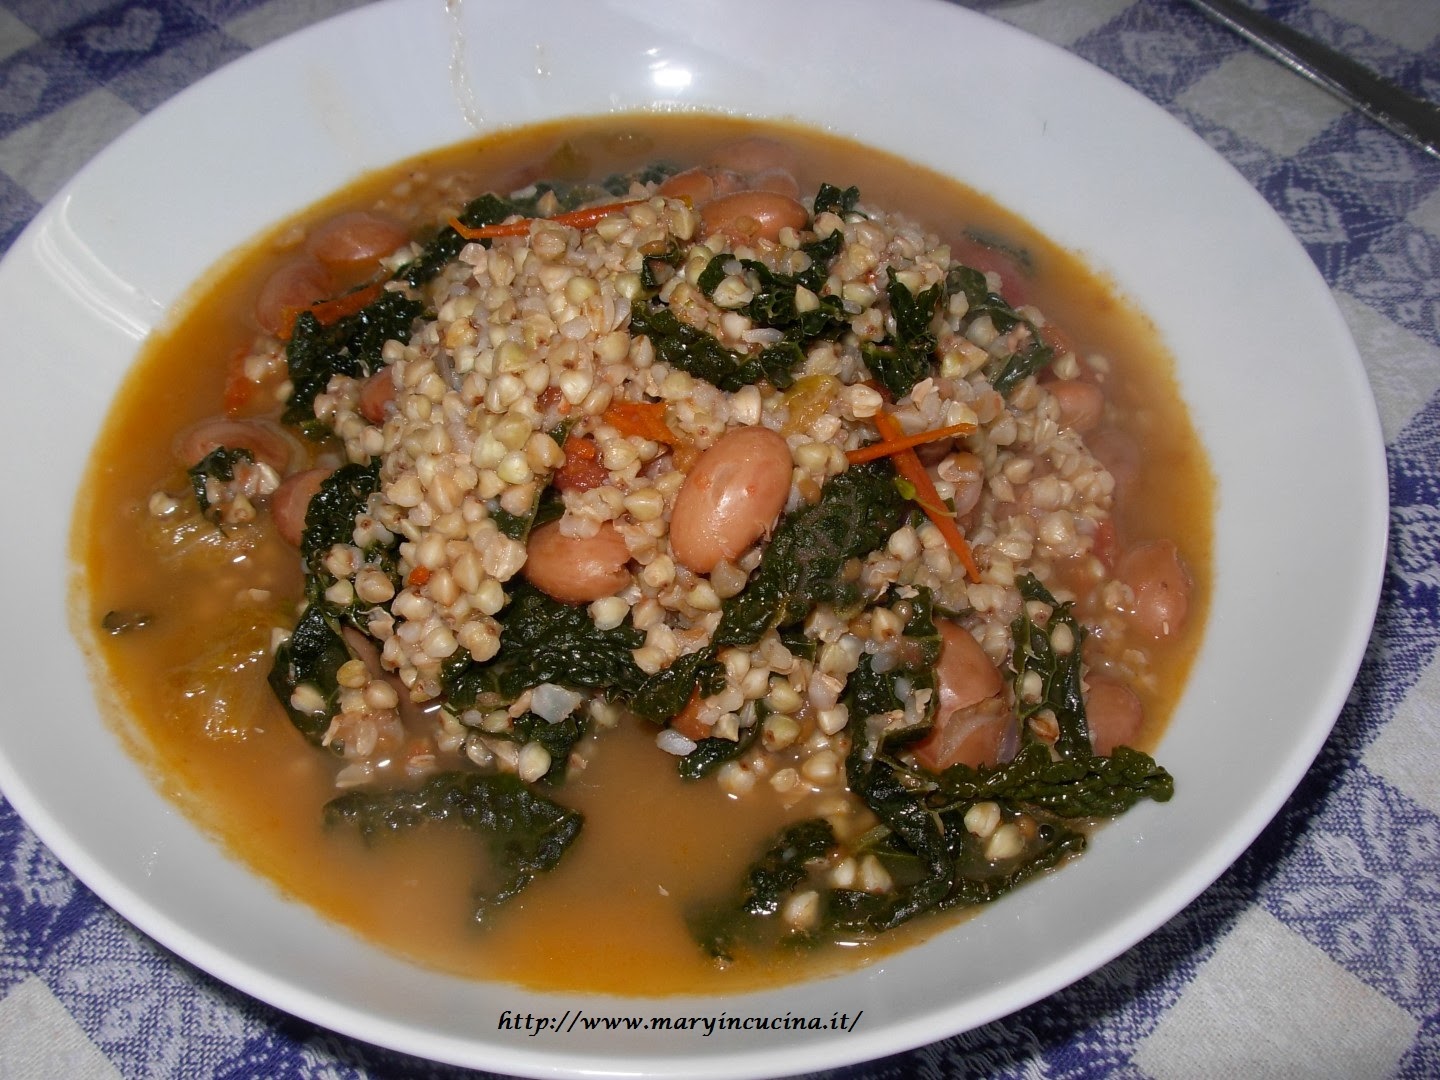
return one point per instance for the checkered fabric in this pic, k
(1316, 955)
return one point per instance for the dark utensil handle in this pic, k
(1380, 99)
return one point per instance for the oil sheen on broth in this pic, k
(610, 919)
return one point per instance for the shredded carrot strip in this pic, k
(909, 466)
(576, 219)
(239, 389)
(332, 311)
(890, 447)
(417, 577)
(642, 419)
(687, 720)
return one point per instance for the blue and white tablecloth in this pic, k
(1316, 955)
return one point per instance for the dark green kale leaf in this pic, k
(803, 563)
(684, 347)
(219, 465)
(546, 641)
(1033, 651)
(905, 357)
(904, 812)
(871, 693)
(527, 833)
(802, 566)
(446, 245)
(1078, 787)
(311, 655)
(781, 867)
(657, 172)
(1053, 844)
(774, 305)
(836, 200)
(330, 517)
(710, 754)
(657, 265)
(666, 693)
(558, 738)
(349, 346)
(1030, 360)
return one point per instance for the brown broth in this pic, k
(611, 918)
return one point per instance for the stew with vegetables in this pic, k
(666, 538)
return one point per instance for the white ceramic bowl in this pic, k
(1300, 533)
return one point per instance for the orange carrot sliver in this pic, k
(643, 419)
(907, 463)
(332, 311)
(575, 219)
(239, 389)
(687, 720)
(890, 447)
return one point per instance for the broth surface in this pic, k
(611, 917)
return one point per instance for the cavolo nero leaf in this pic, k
(802, 565)
(835, 199)
(546, 505)
(780, 868)
(870, 693)
(544, 640)
(709, 754)
(1086, 787)
(699, 354)
(1030, 360)
(558, 737)
(1034, 652)
(349, 346)
(445, 245)
(775, 305)
(800, 568)
(527, 833)
(219, 465)
(310, 656)
(330, 517)
(905, 357)
(666, 693)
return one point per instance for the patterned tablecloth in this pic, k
(1316, 955)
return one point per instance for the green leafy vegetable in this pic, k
(1060, 674)
(684, 347)
(547, 505)
(781, 867)
(446, 245)
(310, 656)
(801, 567)
(870, 693)
(330, 517)
(558, 738)
(710, 754)
(1030, 360)
(349, 346)
(1080, 787)
(774, 304)
(218, 465)
(906, 357)
(527, 832)
(544, 640)
(836, 200)
(666, 693)
(803, 563)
